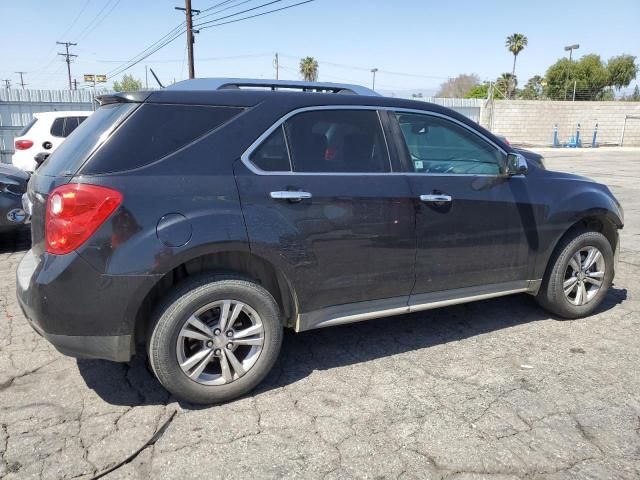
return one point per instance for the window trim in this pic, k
(245, 157)
(406, 155)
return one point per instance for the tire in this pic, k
(168, 343)
(552, 295)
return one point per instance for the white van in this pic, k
(43, 134)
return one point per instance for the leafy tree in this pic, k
(127, 84)
(506, 84)
(515, 44)
(622, 70)
(533, 89)
(309, 69)
(479, 91)
(593, 79)
(459, 86)
(589, 75)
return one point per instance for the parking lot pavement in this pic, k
(494, 389)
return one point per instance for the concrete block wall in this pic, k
(532, 121)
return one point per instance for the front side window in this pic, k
(437, 145)
(337, 141)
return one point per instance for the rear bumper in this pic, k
(81, 312)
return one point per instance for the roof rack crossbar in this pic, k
(273, 85)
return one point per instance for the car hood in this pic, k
(13, 173)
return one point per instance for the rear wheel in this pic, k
(215, 339)
(579, 276)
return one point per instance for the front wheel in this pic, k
(579, 276)
(215, 339)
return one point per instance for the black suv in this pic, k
(199, 220)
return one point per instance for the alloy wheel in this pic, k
(220, 342)
(584, 276)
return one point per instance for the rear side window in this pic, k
(155, 131)
(57, 127)
(335, 141)
(27, 127)
(74, 151)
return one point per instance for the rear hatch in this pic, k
(68, 158)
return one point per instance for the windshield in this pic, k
(84, 140)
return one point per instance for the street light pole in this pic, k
(570, 49)
(374, 70)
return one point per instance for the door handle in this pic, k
(440, 198)
(292, 195)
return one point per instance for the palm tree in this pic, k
(309, 69)
(506, 83)
(515, 44)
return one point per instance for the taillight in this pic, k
(74, 212)
(23, 144)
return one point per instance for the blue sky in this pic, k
(425, 41)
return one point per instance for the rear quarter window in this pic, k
(155, 131)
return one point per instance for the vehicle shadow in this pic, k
(18, 240)
(132, 384)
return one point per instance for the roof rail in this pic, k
(238, 83)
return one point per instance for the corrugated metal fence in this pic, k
(18, 106)
(469, 107)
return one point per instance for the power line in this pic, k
(145, 53)
(256, 15)
(95, 19)
(173, 34)
(368, 69)
(100, 20)
(239, 13)
(200, 17)
(75, 20)
(218, 5)
(179, 30)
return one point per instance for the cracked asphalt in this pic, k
(494, 389)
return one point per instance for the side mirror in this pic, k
(516, 164)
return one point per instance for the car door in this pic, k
(471, 218)
(320, 201)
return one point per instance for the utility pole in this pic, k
(22, 84)
(374, 70)
(68, 57)
(146, 77)
(75, 84)
(188, 11)
(276, 65)
(7, 83)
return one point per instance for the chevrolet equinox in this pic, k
(198, 221)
